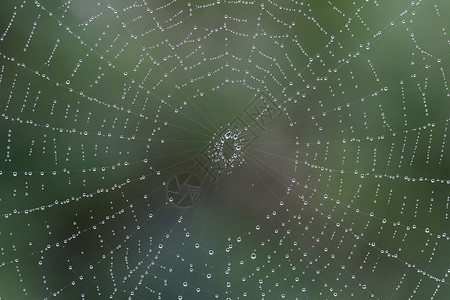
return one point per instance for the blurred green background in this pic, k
(342, 109)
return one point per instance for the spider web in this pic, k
(304, 142)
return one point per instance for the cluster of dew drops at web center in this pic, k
(226, 149)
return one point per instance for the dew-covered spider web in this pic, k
(226, 149)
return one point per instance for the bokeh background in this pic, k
(340, 189)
